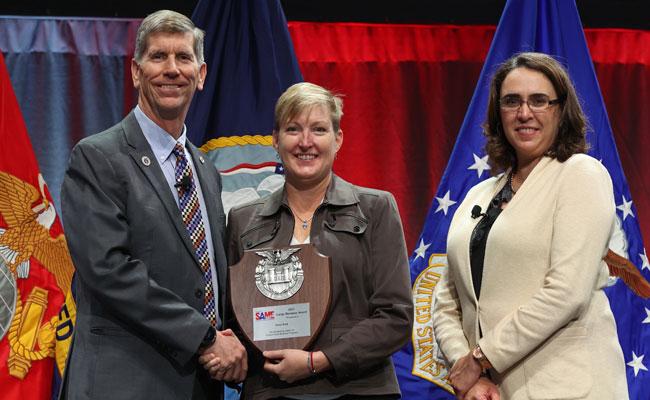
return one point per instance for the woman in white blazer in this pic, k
(521, 313)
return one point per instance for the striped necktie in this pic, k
(188, 198)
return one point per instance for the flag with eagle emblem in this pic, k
(36, 305)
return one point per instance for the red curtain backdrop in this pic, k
(407, 88)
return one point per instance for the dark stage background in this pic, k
(594, 13)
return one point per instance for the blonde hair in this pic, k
(301, 96)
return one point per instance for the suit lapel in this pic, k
(145, 160)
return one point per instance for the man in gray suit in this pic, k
(145, 224)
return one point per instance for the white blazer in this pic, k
(547, 326)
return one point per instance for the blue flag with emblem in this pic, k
(250, 62)
(552, 27)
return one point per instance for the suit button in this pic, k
(356, 228)
(198, 293)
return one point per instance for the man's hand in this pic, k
(484, 389)
(291, 365)
(464, 374)
(226, 358)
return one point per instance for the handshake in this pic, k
(225, 359)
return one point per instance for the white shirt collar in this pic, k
(161, 142)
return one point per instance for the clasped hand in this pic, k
(226, 359)
(289, 365)
(483, 389)
(465, 377)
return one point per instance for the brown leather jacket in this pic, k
(371, 313)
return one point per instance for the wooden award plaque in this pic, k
(281, 297)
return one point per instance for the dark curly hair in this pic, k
(573, 123)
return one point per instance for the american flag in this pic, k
(552, 27)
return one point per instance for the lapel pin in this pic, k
(146, 161)
(202, 159)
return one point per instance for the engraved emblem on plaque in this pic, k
(279, 274)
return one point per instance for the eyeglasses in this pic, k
(537, 103)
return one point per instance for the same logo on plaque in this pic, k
(281, 297)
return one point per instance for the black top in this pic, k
(482, 230)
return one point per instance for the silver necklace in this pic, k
(510, 178)
(305, 222)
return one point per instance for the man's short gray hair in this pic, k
(167, 21)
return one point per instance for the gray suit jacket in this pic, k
(139, 285)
